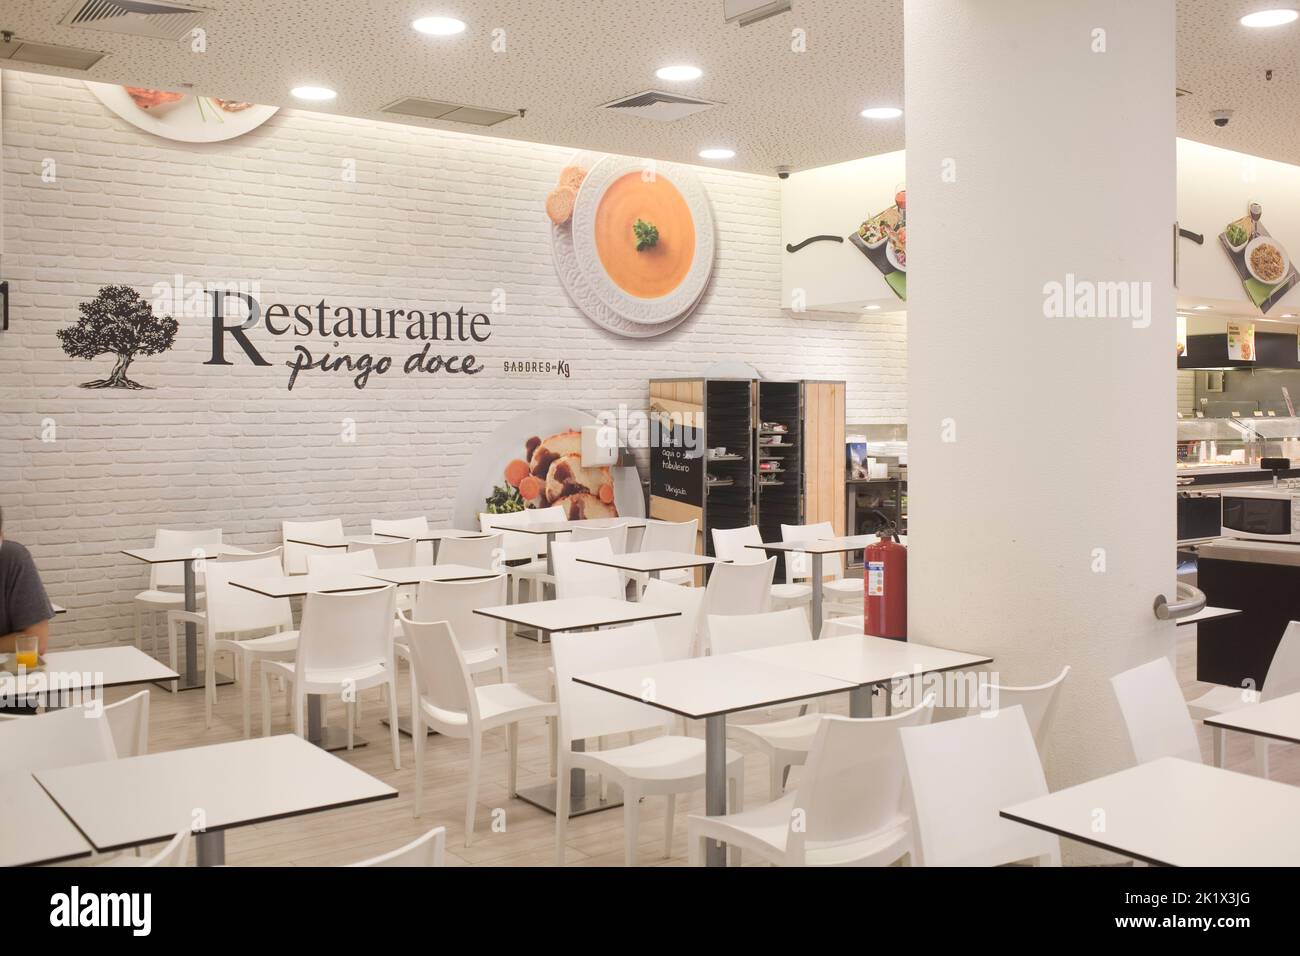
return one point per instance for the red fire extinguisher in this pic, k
(885, 586)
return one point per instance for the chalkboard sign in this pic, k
(677, 466)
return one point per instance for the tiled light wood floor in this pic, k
(525, 836)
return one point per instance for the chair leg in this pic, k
(512, 748)
(393, 734)
(735, 803)
(299, 713)
(209, 687)
(418, 738)
(775, 779)
(139, 630)
(350, 718)
(668, 825)
(246, 678)
(1261, 757)
(631, 823)
(1217, 737)
(266, 703)
(171, 649)
(561, 810)
(471, 785)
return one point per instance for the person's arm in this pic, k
(39, 630)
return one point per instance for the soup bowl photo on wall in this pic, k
(633, 241)
(184, 117)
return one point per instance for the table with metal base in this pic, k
(327, 738)
(817, 549)
(652, 563)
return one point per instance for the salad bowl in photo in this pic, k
(1266, 261)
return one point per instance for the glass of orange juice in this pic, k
(26, 650)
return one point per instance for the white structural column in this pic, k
(1041, 365)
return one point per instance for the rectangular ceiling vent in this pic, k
(137, 18)
(656, 105)
(449, 112)
(745, 12)
(16, 50)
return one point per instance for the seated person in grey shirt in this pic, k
(24, 607)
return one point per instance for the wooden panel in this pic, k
(824, 424)
(667, 509)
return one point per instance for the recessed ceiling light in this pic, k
(1269, 18)
(881, 112)
(717, 153)
(313, 93)
(1203, 308)
(679, 74)
(439, 26)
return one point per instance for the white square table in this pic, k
(33, 830)
(434, 536)
(1172, 812)
(300, 585)
(1276, 719)
(866, 662)
(132, 801)
(573, 614)
(651, 562)
(84, 672)
(709, 688)
(817, 549)
(187, 556)
(417, 574)
(552, 528)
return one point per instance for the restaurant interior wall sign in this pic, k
(633, 241)
(1261, 262)
(185, 117)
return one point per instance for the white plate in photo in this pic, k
(1250, 266)
(184, 117)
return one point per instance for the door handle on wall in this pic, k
(1190, 601)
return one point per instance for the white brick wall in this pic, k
(434, 217)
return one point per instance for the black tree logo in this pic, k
(117, 322)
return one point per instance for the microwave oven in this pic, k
(1265, 514)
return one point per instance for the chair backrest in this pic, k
(398, 553)
(455, 603)
(172, 575)
(423, 851)
(547, 515)
(732, 633)
(729, 544)
(1155, 712)
(798, 565)
(1283, 675)
(678, 636)
(486, 552)
(231, 609)
(740, 588)
(128, 722)
(574, 578)
(338, 561)
(588, 712)
(518, 545)
(677, 536)
(175, 853)
(962, 773)
(1039, 702)
(616, 536)
(295, 555)
(407, 528)
(441, 676)
(352, 629)
(852, 784)
(61, 738)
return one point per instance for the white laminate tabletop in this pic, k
(89, 668)
(1277, 719)
(434, 534)
(701, 687)
(1176, 813)
(173, 555)
(33, 830)
(430, 572)
(573, 614)
(1207, 613)
(854, 542)
(862, 660)
(134, 800)
(296, 585)
(560, 527)
(334, 542)
(646, 561)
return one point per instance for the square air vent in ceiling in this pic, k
(139, 18)
(16, 50)
(448, 112)
(657, 105)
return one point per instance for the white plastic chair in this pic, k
(295, 555)
(616, 536)
(407, 528)
(679, 636)
(337, 561)
(426, 850)
(167, 581)
(249, 626)
(128, 722)
(486, 552)
(847, 809)
(345, 646)
(449, 702)
(1155, 713)
(731, 545)
(680, 537)
(574, 578)
(962, 773)
(840, 595)
(481, 639)
(519, 550)
(398, 553)
(1281, 679)
(785, 742)
(1039, 703)
(740, 588)
(60, 738)
(666, 764)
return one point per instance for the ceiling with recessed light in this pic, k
(559, 60)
